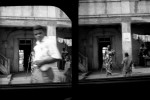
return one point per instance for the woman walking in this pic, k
(108, 60)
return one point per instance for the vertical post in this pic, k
(126, 38)
(51, 30)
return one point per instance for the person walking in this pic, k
(46, 54)
(108, 60)
(142, 53)
(127, 65)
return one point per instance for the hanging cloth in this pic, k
(140, 37)
(65, 41)
(135, 36)
(70, 42)
(148, 38)
(60, 40)
(143, 38)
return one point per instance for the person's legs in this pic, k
(109, 69)
(52, 75)
(36, 76)
(124, 72)
(48, 75)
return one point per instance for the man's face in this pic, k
(39, 34)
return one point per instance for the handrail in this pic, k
(84, 61)
(5, 62)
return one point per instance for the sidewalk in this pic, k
(101, 74)
(21, 78)
(17, 78)
(5, 79)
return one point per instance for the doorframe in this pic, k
(16, 51)
(18, 39)
(95, 47)
(110, 37)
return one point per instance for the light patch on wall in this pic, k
(126, 36)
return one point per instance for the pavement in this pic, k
(24, 78)
(17, 78)
(21, 78)
(101, 74)
(5, 79)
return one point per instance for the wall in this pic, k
(115, 7)
(11, 50)
(11, 36)
(91, 48)
(32, 11)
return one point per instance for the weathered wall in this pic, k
(123, 12)
(32, 11)
(12, 45)
(11, 51)
(33, 15)
(91, 46)
(104, 7)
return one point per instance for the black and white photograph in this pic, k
(35, 45)
(114, 39)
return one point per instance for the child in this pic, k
(68, 69)
(127, 65)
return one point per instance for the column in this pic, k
(51, 30)
(126, 38)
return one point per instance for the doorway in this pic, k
(24, 54)
(102, 46)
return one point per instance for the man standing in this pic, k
(46, 54)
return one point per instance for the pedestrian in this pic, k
(68, 69)
(127, 65)
(63, 61)
(46, 54)
(142, 54)
(108, 60)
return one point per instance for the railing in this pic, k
(83, 63)
(5, 64)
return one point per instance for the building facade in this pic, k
(16, 36)
(115, 23)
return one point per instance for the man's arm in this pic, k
(39, 63)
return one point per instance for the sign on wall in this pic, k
(126, 36)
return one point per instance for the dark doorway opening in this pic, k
(24, 55)
(102, 46)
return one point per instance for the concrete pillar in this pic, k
(126, 38)
(51, 30)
